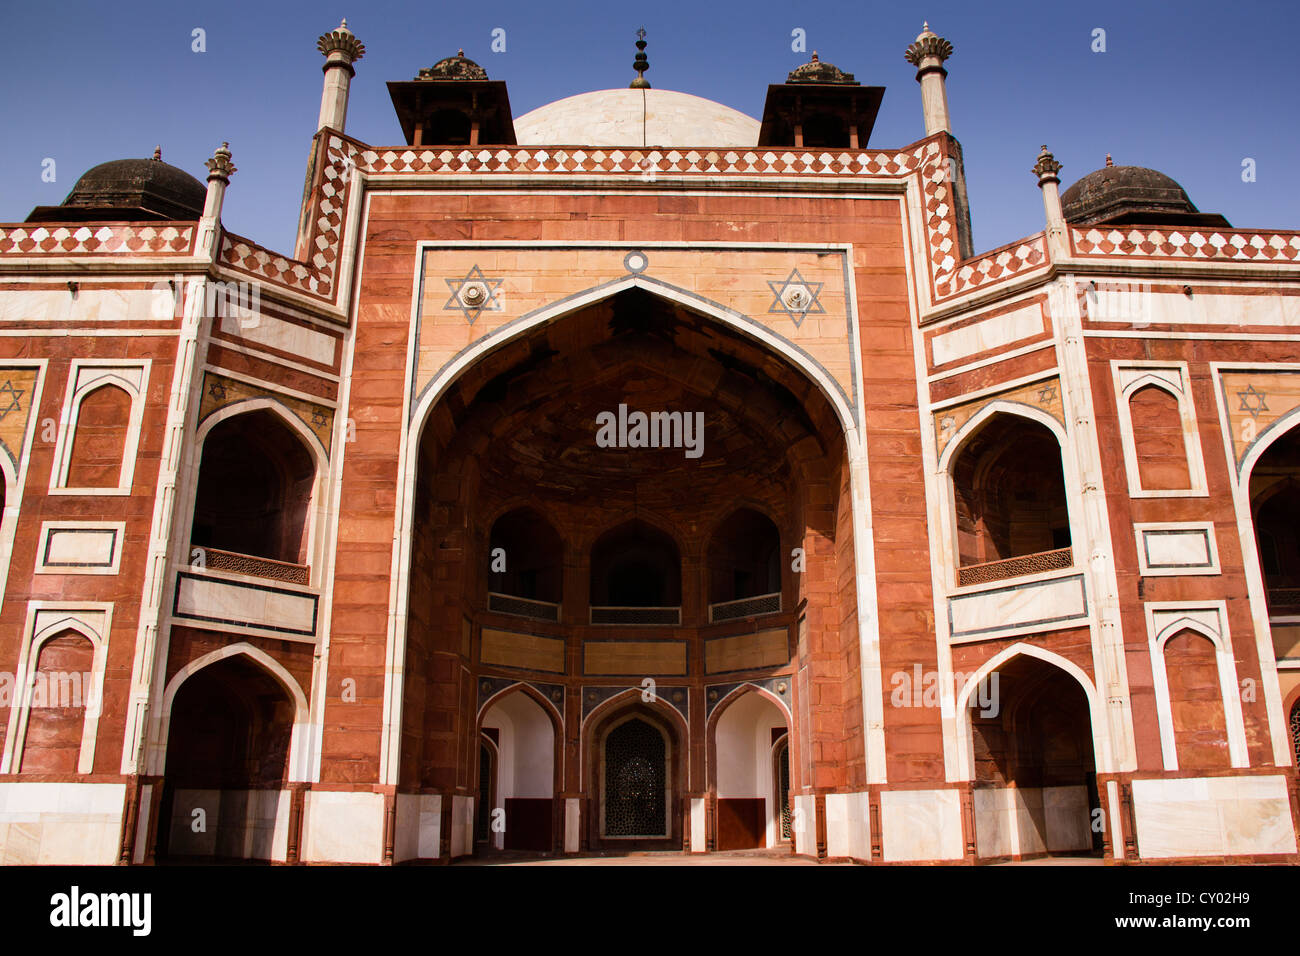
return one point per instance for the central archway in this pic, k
(539, 550)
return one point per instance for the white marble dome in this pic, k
(636, 118)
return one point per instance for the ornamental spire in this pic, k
(641, 64)
(927, 53)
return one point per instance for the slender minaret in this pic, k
(219, 169)
(341, 50)
(1046, 169)
(927, 54)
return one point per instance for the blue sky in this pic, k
(1189, 88)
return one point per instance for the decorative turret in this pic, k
(819, 106)
(341, 49)
(453, 103)
(927, 53)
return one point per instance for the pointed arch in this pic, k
(749, 687)
(999, 406)
(300, 738)
(311, 496)
(1096, 713)
(522, 687)
(834, 403)
(834, 394)
(282, 411)
(29, 663)
(1225, 661)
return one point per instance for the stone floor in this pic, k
(735, 858)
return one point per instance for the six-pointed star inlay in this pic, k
(473, 294)
(9, 398)
(796, 297)
(1253, 401)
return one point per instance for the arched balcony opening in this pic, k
(636, 576)
(1012, 517)
(525, 566)
(744, 564)
(252, 506)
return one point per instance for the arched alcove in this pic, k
(99, 443)
(635, 565)
(1158, 439)
(256, 479)
(745, 773)
(1012, 515)
(525, 771)
(230, 729)
(1035, 770)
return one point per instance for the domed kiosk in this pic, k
(129, 190)
(1132, 195)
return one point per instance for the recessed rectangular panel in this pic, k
(747, 651)
(525, 651)
(1038, 603)
(989, 334)
(251, 605)
(80, 547)
(634, 658)
(1173, 549)
(288, 337)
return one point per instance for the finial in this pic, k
(814, 59)
(1046, 168)
(340, 45)
(1109, 161)
(220, 166)
(460, 51)
(641, 64)
(926, 46)
(157, 152)
(925, 26)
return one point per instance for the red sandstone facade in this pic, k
(981, 557)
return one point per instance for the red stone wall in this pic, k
(1230, 585)
(123, 589)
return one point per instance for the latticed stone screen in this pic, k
(636, 615)
(746, 607)
(1015, 567)
(1295, 732)
(255, 566)
(523, 607)
(783, 791)
(635, 784)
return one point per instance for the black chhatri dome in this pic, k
(132, 190)
(1132, 195)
